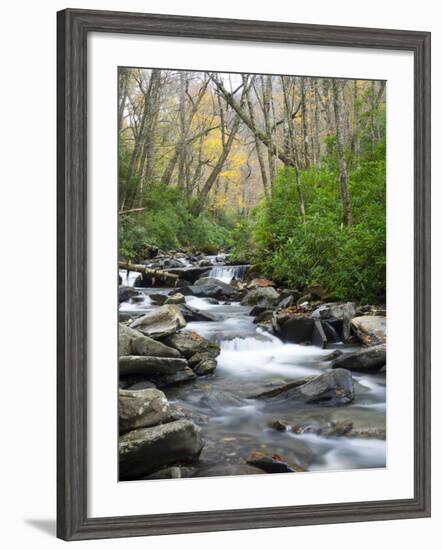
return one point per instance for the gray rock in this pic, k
(287, 301)
(370, 329)
(296, 330)
(205, 367)
(192, 314)
(124, 344)
(368, 359)
(265, 315)
(160, 322)
(133, 342)
(209, 287)
(256, 310)
(173, 472)
(143, 345)
(333, 388)
(158, 299)
(141, 385)
(147, 366)
(125, 293)
(142, 409)
(220, 470)
(261, 296)
(276, 424)
(272, 464)
(319, 338)
(176, 299)
(334, 310)
(174, 379)
(190, 343)
(145, 450)
(278, 390)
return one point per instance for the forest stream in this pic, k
(252, 360)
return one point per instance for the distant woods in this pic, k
(206, 158)
(223, 137)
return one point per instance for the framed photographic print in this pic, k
(243, 210)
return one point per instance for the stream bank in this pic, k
(224, 375)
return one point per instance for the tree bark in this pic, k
(338, 104)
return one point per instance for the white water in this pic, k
(261, 355)
(226, 273)
(128, 278)
(251, 360)
(343, 453)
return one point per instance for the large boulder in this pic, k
(192, 314)
(190, 343)
(143, 345)
(145, 450)
(160, 322)
(366, 360)
(261, 296)
(133, 342)
(293, 329)
(146, 365)
(339, 314)
(333, 388)
(142, 409)
(209, 287)
(177, 298)
(370, 329)
(334, 310)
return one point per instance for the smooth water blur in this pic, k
(252, 360)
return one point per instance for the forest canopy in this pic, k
(286, 173)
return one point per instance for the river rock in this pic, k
(133, 342)
(366, 360)
(276, 424)
(140, 385)
(272, 464)
(370, 329)
(158, 299)
(145, 450)
(142, 409)
(161, 371)
(172, 472)
(261, 296)
(296, 330)
(192, 314)
(255, 283)
(160, 322)
(125, 293)
(206, 366)
(209, 287)
(264, 316)
(286, 302)
(143, 345)
(219, 470)
(190, 343)
(335, 310)
(333, 388)
(177, 298)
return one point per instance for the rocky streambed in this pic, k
(229, 375)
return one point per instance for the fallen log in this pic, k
(152, 273)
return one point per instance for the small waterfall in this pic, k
(226, 273)
(128, 278)
(259, 355)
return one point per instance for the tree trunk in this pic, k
(338, 104)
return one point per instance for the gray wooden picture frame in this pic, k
(73, 28)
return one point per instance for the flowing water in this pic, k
(235, 424)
